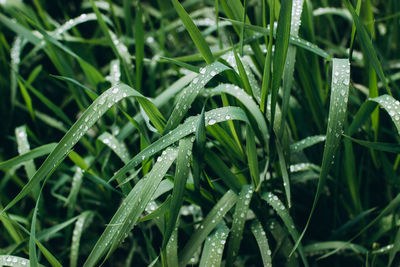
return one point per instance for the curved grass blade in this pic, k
(212, 219)
(283, 213)
(76, 237)
(130, 210)
(188, 127)
(194, 32)
(387, 102)
(247, 101)
(306, 142)
(239, 219)
(74, 134)
(262, 242)
(181, 174)
(118, 147)
(336, 120)
(190, 93)
(214, 247)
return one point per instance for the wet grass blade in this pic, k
(306, 142)
(387, 102)
(118, 147)
(181, 174)
(139, 47)
(190, 93)
(283, 213)
(366, 44)
(80, 224)
(251, 152)
(247, 101)
(214, 247)
(284, 172)
(194, 32)
(336, 119)
(188, 127)
(75, 133)
(213, 218)
(128, 213)
(172, 249)
(13, 261)
(199, 149)
(33, 260)
(293, 40)
(239, 219)
(281, 48)
(288, 72)
(24, 147)
(30, 155)
(262, 242)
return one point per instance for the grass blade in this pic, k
(32, 154)
(181, 174)
(366, 44)
(283, 213)
(24, 147)
(281, 48)
(190, 93)
(386, 147)
(247, 101)
(306, 142)
(214, 247)
(13, 261)
(336, 119)
(262, 242)
(194, 32)
(252, 156)
(130, 210)
(188, 127)
(208, 224)
(239, 219)
(75, 133)
(118, 147)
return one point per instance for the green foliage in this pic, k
(209, 133)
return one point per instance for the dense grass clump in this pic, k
(173, 133)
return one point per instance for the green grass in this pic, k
(206, 133)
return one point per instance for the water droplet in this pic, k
(211, 122)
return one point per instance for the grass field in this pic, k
(199, 132)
